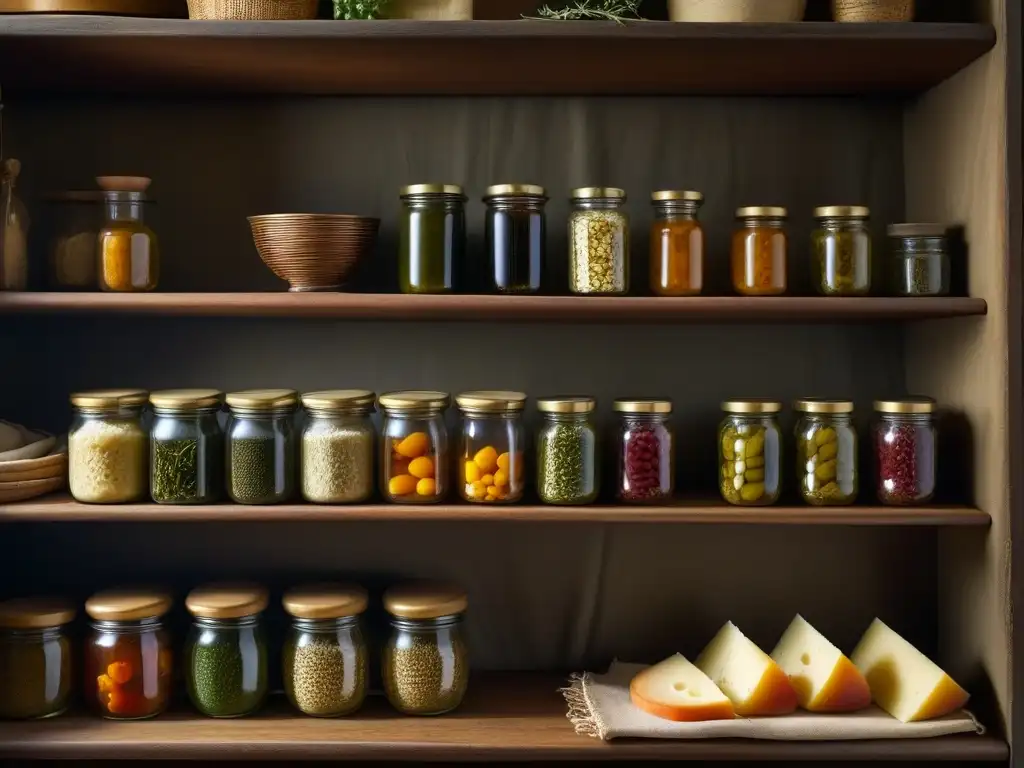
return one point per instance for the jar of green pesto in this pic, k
(186, 447)
(262, 446)
(35, 658)
(432, 237)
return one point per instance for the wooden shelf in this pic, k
(83, 53)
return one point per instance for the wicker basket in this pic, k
(873, 10)
(252, 10)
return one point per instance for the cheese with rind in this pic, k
(675, 689)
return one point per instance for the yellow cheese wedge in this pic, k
(674, 689)
(754, 683)
(903, 681)
(824, 679)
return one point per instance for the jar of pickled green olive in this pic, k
(826, 452)
(759, 251)
(645, 462)
(567, 471)
(514, 230)
(920, 259)
(749, 452)
(338, 446)
(108, 447)
(905, 450)
(414, 450)
(261, 446)
(598, 241)
(186, 447)
(225, 657)
(35, 658)
(432, 237)
(841, 250)
(325, 655)
(492, 446)
(425, 666)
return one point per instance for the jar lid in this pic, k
(338, 399)
(128, 604)
(35, 613)
(918, 230)
(263, 399)
(642, 406)
(842, 212)
(413, 400)
(227, 600)
(907, 405)
(587, 193)
(186, 399)
(496, 401)
(430, 189)
(682, 195)
(762, 212)
(576, 404)
(425, 600)
(110, 398)
(515, 190)
(751, 406)
(325, 601)
(823, 406)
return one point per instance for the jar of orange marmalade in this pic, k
(677, 243)
(759, 251)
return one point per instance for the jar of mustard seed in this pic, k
(261, 446)
(432, 237)
(425, 661)
(677, 244)
(750, 452)
(492, 446)
(841, 250)
(35, 658)
(826, 448)
(515, 231)
(338, 444)
(920, 257)
(567, 470)
(759, 251)
(108, 447)
(905, 450)
(186, 447)
(414, 449)
(129, 252)
(598, 241)
(645, 452)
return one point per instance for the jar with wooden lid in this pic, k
(77, 217)
(108, 447)
(338, 443)
(186, 447)
(759, 251)
(129, 252)
(826, 452)
(598, 241)
(35, 657)
(567, 463)
(128, 654)
(920, 256)
(225, 656)
(425, 665)
(492, 446)
(325, 659)
(261, 445)
(750, 452)
(646, 473)
(414, 451)
(905, 440)
(677, 244)
(515, 232)
(841, 250)
(432, 237)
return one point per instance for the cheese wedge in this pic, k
(824, 679)
(754, 683)
(903, 681)
(674, 689)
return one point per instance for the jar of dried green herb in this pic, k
(261, 446)
(426, 661)
(920, 259)
(567, 471)
(432, 237)
(186, 447)
(841, 250)
(337, 446)
(35, 658)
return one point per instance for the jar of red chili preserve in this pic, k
(645, 468)
(904, 437)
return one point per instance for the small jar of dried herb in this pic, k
(841, 250)
(261, 446)
(337, 446)
(35, 658)
(186, 447)
(920, 259)
(567, 471)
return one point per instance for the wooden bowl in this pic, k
(46, 468)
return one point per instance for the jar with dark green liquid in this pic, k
(432, 237)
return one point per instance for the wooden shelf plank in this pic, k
(83, 53)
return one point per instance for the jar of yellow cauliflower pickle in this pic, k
(414, 461)
(749, 452)
(826, 448)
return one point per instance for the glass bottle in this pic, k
(749, 452)
(432, 237)
(492, 446)
(108, 447)
(677, 244)
(905, 450)
(35, 658)
(920, 259)
(261, 447)
(77, 219)
(186, 447)
(646, 470)
(598, 241)
(338, 444)
(759, 251)
(414, 451)
(129, 253)
(841, 250)
(128, 657)
(826, 452)
(567, 471)
(14, 224)
(425, 665)
(515, 231)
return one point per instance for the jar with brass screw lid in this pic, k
(598, 241)
(261, 445)
(338, 446)
(759, 251)
(414, 449)
(750, 452)
(515, 231)
(826, 446)
(432, 237)
(677, 243)
(841, 250)
(186, 447)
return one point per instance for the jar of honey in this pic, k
(129, 255)
(759, 251)
(677, 244)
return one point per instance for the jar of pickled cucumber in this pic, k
(645, 456)
(905, 450)
(826, 452)
(261, 446)
(598, 241)
(432, 237)
(35, 658)
(749, 452)
(492, 446)
(841, 250)
(759, 251)
(567, 471)
(414, 449)
(677, 243)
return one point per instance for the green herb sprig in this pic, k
(619, 11)
(359, 9)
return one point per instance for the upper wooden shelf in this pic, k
(146, 56)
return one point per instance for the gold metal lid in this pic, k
(425, 600)
(642, 406)
(263, 399)
(186, 399)
(35, 613)
(110, 398)
(586, 193)
(496, 401)
(907, 405)
(413, 400)
(842, 212)
(227, 600)
(325, 601)
(927, 229)
(430, 189)
(823, 406)
(762, 212)
(580, 404)
(339, 399)
(128, 604)
(751, 406)
(682, 195)
(514, 190)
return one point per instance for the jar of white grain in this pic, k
(338, 446)
(107, 447)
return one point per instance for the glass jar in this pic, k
(432, 237)
(108, 447)
(325, 659)
(129, 253)
(186, 447)
(841, 250)
(128, 657)
(920, 259)
(225, 653)
(646, 470)
(677, 244)
(35, 658)
(749, 452)
(338, 446)
(598, 241)
(491, 452)
(414, 451)
(759, 251)
(14, 223)
(77, 216)
(425, 661)
(261, 446)
(567, 471)
(515, 231)
(905, 450)
(826, 452)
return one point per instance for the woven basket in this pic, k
(252, 10)
(873, 10)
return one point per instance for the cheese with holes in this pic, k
(754, 683)
(903, 681)
(823, 678)
(675, 689)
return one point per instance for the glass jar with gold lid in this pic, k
(598, 241)
(492, 446)
(646, 473)
(108, 447)
(677, 243)
(432, 237)
(338, 446)
(35, 657)
(515, 231)
(905, 440)
(414, 451)
(261, 445)
(567, 463)
(129, 253)
(750, 452)
(186, 447)
(759, 251)
(826, 452)
(841, 250)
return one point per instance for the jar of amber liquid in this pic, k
(414, 460)
(432, 237)
(515, 232)
(129, 254)
(749, 453)
(35, 658)
(759, 251)
(841, 251)
(677, 244)
(128, 654)
(492, 446)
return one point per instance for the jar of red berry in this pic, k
(645, 467)
(905, 450)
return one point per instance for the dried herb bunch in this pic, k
(359, 9)
(619, 11)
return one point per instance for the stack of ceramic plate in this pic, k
(33, 463)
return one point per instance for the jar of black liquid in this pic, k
(515, 233)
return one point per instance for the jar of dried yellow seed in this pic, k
(598, 241)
